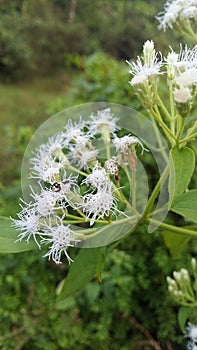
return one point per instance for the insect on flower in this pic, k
(56, 187)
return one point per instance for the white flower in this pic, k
(46, 168)
(101, 204)
(177, 275)
(49, 159)
(191, 331)
(111, 166)
(82, 155)
(184, 60)
(149, 53)
(187, 78)
(192, 345)
(175, 10)
(139, 79)
(68, 183)
(147, 66)
(182, 69)
(122, 144)
(98, 178)
(74, 130)
(47, 201)
(60, 237)
(53, 146)
(171, 282)
(189, 12)
(28, 224)
(103, 119)
(182, 95)
(171, 12)
(193, 263)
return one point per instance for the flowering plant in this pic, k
(86, 180)
(90, 195)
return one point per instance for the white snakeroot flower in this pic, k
(74, 130)
(185, 274)
(48, 201)
(139, 79)
(171, 282)
(103, 119)
(187, 78)
(169, 15)
(122, 144)
(46, 155)
(82, 155)
(184, 60)
(111, 166)
(191, 331)
(68, 183)
(28, 224)
(52, 147)
(46, 168)
(182, 95)
(193, 263)
(177, 275)
(189, 12)
(149, 53)
(192, 345)
(101, 204)
(60, 237)
(98, 178)
(44, 202)
(147, 66)
(175, 10)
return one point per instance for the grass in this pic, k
(23, 109)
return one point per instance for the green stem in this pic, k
(71, 167)
(133, 186)
(114, 223)
(189, 138)
(158, 136)
(188, 34)
(172, 109)
(121, 196)
(180, 230)
(181, 128)
(157, 211)
(165, 128)
(75, 217)
(155, 192)
(164, 109)
(188, 304)
(190, 30)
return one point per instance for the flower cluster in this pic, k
(145, 71)
(191, 334)
(180, 69)
(75, 187)
(181, 286)
(177, 12)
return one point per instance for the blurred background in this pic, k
(55, 54)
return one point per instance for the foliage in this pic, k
(103, 315)
(100, 78)
(16, 55)
(133, 291)
(37, 34)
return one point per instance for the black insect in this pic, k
(56, 187)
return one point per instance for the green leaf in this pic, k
(182, 164)
(186, 205)
(88, 264)
(66, 304)
(175, 243)
(8, 237)
(183, 315)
